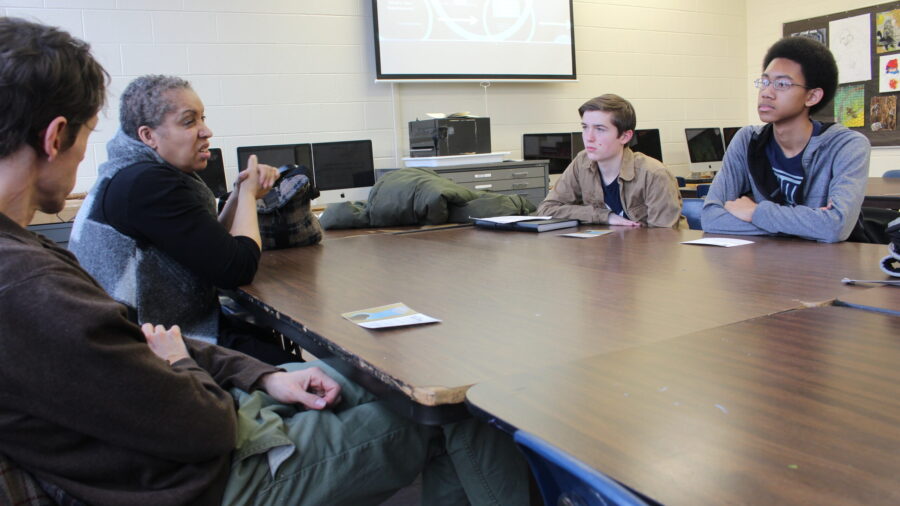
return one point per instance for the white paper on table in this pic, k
(719, 241)
(587, 233)
(397, 314)
(849, 40)
(512, 219)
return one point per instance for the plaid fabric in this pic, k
(285, 217)
(19, 488)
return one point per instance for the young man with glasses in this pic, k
(793, 175)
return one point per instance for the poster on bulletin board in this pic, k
(866, 46)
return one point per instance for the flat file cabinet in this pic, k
(529, 178)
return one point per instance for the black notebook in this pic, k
(536, 225)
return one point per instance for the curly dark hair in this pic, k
(816, 62)
(45, 73)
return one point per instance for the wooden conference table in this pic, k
(515, 302)
(800, 407)
(885, 299)
(883, 192)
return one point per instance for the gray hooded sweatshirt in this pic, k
(836, 166)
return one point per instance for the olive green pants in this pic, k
(360, 452)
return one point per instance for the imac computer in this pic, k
(728, 134)
(705, 148)
(214, 173)
(559, 148)
(343, 171)
(647, 141)
(279, 155)
(577, 143)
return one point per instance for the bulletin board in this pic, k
(866, 46)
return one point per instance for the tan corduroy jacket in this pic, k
(649, 192)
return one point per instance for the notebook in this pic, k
(538, 224)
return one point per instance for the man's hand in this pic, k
(741, 208)
(166, 344)
(258, 177)
(310, 387)
(615, 219)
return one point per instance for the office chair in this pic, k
(702, 190)
(566, 480)
(690, 208)
(892, 173)
(681, 181)
(871, 226)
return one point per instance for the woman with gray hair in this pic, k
(148, 230)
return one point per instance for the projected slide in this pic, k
(475, 37)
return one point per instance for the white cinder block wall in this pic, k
(285, 71)
(765, 19)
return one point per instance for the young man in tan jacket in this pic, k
(608, 183)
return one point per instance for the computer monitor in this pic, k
(274, 155)
(278, 155)
(647, 141)
(577, 144)
(728, 134)
(214, 173)
(558, 148)
(705, 148)
(343, 171)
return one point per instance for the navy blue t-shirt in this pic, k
(789, 171)
(613, 198)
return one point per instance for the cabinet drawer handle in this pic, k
(482, 176)
(520, 185)
(519, 174)
(483, 186)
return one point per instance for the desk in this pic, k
(688, 192)
(57, 227)
(883, 192)
(800, 407)
(513, 301)
(884, 298)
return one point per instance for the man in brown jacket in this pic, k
(608, 183)
(100, 411)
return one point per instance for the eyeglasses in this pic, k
(779, 84)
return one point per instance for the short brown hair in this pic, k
(44, 73)
(623, 116)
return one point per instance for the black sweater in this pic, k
(156, 206)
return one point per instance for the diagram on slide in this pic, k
(474, 20)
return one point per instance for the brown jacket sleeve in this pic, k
(566, 199)
(75, 353)
(662, 198)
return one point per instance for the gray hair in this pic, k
(143, 102)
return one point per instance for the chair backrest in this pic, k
(892, 173)
(564, 479)
(681, 181)
(871, 226)
(702, 190)
(690, 208)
